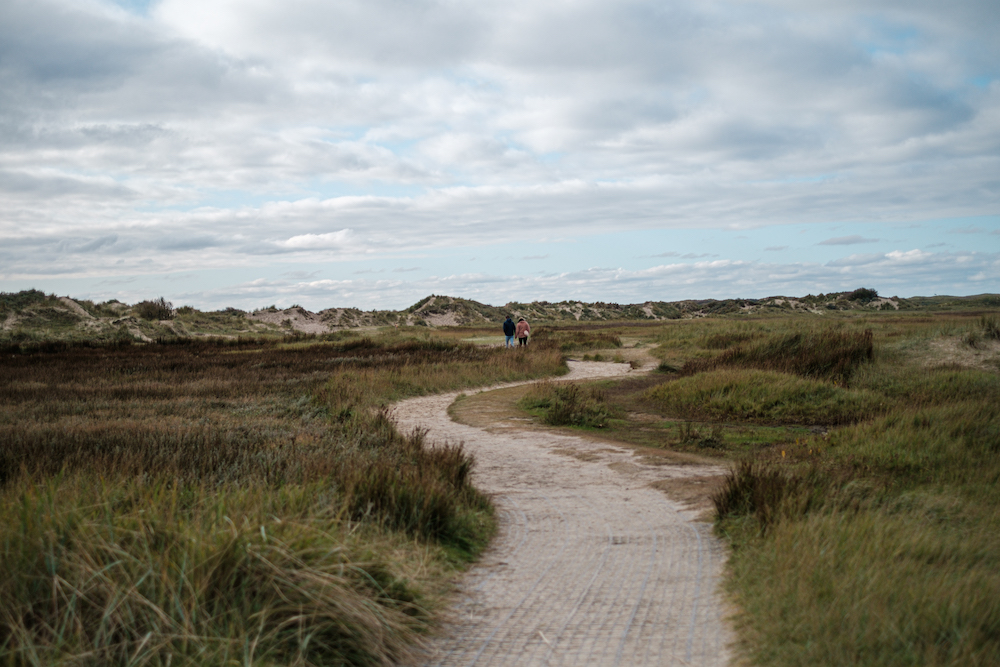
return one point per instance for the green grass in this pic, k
(569, 405)
(915, 586)
(201, 503)
(763, 397)
(871, 538)
(879, 544)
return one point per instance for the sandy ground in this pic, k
(591, 566)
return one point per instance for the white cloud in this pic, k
(216, 134)
(325, 241)
(720, 279)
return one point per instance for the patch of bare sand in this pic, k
(953, 351)
(75, 307)
(592, 564)
(298, 319)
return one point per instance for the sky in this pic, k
(368, 153)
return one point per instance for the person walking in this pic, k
(522, 330)
(508, 331)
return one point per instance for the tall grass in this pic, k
(248, 501)
(825, 354)
(763, 397)
(880, 543)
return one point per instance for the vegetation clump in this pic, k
(16, 301)
(863, 294)
(569, 404)
(154, 309)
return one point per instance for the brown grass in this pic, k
(251, 501)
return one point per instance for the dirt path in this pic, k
(591, 566)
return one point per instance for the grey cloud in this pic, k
(854, 239)
(857, 260)
(776, 248)
(892, 274)
(974, 230)
(188, 243)
(47, 186)
(236, 125)
(96, 244)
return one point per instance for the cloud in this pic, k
(848, 240)
(98, 243)
(902, 273)
(225, 135)
(329, 240)
(776, 248)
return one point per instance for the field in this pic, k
(863, 507)
(248, 500)
(232, 501)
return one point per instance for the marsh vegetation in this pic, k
(232, 501)
(863, 506)
(251, 501)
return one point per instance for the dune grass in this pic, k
(877, 544)
(569, 405)
(763, 397)
(863, 504)
(232, 502)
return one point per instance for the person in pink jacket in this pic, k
(521, 331)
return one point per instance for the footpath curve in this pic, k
(591, 566)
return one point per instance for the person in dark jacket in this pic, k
(508, 331)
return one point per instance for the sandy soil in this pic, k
(299, 318)
(592, 565)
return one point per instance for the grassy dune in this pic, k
(232, 502)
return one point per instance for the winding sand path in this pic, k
(591, 566)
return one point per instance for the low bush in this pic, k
(156, 309)
(863, 294)
(17, 301)
(990, 326)
(569, 405)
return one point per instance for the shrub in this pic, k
(863, 294)
(569, 405)
(17, 301)
(156, 309)
(990, 327)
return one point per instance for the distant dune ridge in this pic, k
(33, 314)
